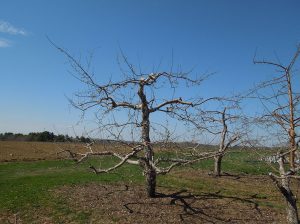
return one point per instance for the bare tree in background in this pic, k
(227, 139)
(140, 97)
(225, 127)
(280, 97)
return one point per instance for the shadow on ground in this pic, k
(128, 204)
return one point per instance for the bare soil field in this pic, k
(31, 151)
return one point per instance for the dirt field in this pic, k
(31, 151)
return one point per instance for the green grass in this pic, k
(236, 162)
(246, 163)
(25, 186)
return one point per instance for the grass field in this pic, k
(53, 190)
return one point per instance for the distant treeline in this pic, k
(44, 136)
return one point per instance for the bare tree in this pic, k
(224, 127)
(280, 98)
(281, 102)
(139, 96)
(227, 139)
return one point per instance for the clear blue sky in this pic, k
(214, 35)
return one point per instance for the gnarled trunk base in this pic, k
(151, 183)
(291, 205)
(283, 185)
(218, 165)
(292, 213)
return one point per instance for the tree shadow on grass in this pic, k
(234, 176)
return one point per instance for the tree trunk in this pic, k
(222, 146)
(291, 133)
(284, 188)
(293, 148)
(291, 206)
(149, 170)
(151, 183)
(218, 165)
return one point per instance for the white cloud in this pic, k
(4, 43)
(6, 27)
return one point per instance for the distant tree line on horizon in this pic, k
(44, 136)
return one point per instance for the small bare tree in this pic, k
(280, 98)
(141, 97)
(225, 127)
(227, 139)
